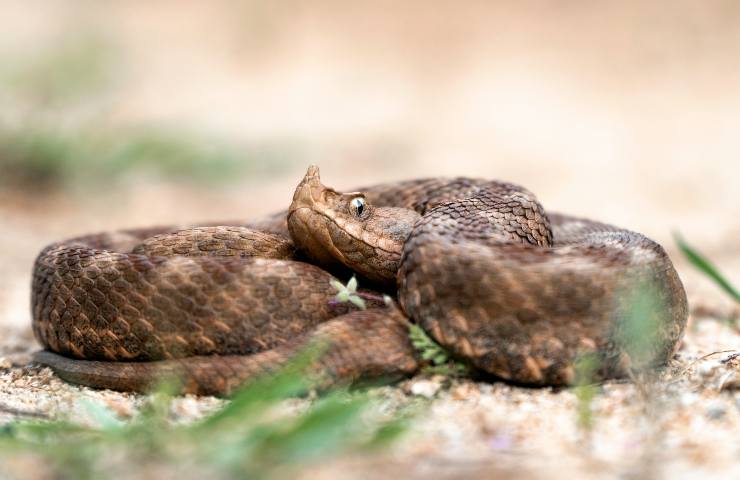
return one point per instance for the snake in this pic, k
(515, 292)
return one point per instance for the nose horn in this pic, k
(313, 171)
(308, 190)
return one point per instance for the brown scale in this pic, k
(478, 264)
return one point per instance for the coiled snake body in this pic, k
(478, 264)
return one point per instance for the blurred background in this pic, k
(122, 114)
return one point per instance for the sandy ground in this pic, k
(626, 113)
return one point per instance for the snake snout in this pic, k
(308, 191)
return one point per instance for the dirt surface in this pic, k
(625, 113)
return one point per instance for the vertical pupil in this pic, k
(359, 206)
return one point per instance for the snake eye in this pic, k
(357, 206)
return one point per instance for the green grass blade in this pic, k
(325, 428)
(639, 332)
(254, 398)
(258, 395)
(388, 433)
(705, 266)
(585, 390)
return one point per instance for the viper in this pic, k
(479, 265)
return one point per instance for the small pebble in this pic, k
(123, 408)
(466, 391)
(729, 381)
(425, 388)
(186, 407)
(687, 399)
(501, 442)
(716, 410)
(706, 369)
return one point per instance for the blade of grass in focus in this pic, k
(705, 266)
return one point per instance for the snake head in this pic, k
(335, 228)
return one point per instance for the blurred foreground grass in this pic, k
(638, 336)
(251, 437)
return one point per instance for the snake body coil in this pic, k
(478, 264)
